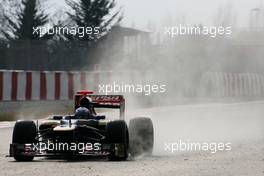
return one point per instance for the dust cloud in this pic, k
(236, 123)
(185, 112)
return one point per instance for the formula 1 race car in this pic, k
(84, 133)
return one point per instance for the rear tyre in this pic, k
(24, 132)
(117, 135)
(141, 135)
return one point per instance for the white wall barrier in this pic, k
(232, 84)
(55, 85)
(45, 85)
(33, 85)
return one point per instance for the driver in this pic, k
(87, 103)
(86, 109)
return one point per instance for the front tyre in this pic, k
(117, 136)
(141, 135)
(24, 132)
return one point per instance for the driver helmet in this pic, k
(82, 112)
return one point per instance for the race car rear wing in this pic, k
(103, 101)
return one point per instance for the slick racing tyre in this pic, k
(24, 132)
(141, 135)
(117, 135)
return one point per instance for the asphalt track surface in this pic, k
(241, 124)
